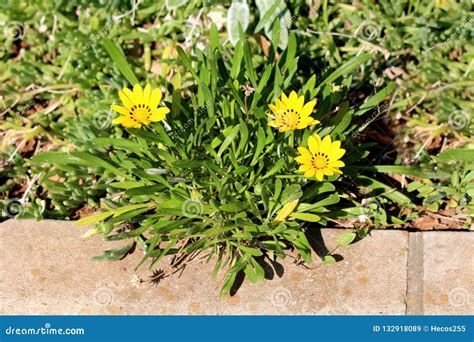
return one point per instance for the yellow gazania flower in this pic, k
(322, 158)
(292, 113)
(141, 107)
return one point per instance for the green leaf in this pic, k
(234, 207)
(230, 277)
(306, 217)
(229, 281)
(388, 192)
(330, 200)
(96, 161)
(317, 189)
(343, 118)
(309, 85)
(127, 234)
(328, 259)
(457, 154)
(126, 185)
(130, 207)
(376, 99)
(214, 37)
(237, 60)
(125, 144)
(145, 190)
(250, 273)
(345, 69)
(249, 65)
(115, 254)
(263, 81)
(261, 141)
(164, 136)
(292, 192)
(276, 32)
(258, 269)
(244, 136)
(187, 62)
(148, 136)
(57, 158)
(414, 171)
(277, 167)
(346, 238)
(188, 164)
(251, 251)
(228, 140)
(119, 59)
(208, 98)
(93, 219)
(278, 187)
(304, 248)
(291, 50)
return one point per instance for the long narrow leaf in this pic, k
(119, 59)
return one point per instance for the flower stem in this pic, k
(292, 139)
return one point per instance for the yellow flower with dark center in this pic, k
(292, 113)
(140, 107)
(322, 157)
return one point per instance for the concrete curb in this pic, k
(46, 269)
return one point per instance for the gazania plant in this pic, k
(233, 159)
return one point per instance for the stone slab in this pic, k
(448, 273)
(45, 269)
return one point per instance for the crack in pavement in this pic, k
(415, 275)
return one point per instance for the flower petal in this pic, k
(308, 108)
(273, 108)
(310, 173)
(306, 122)
(304, 167)
(326, 144)
(298, 105)
(313, 143)
(336, 145)
(128, 122)
(146, 94)
(159, 114)
(336, 163)
(319, 175)
(120, 109)
(285, 99)
(118, 120)
(280, 105)
(292, 99)
(138, 93)
(304, 152)
(126, 97)
(328, 171)
(302, 159)
(155, 98)
(334, 155)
